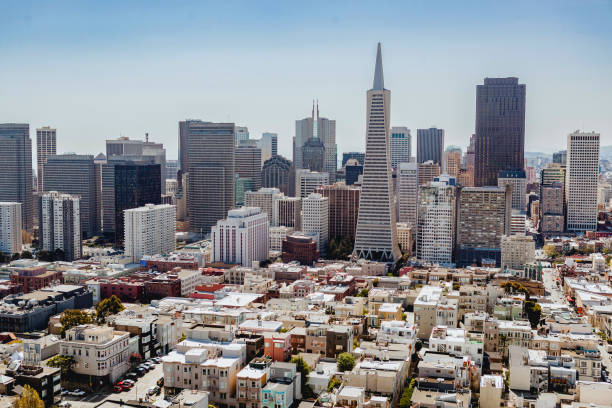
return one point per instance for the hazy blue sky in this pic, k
(97, 70)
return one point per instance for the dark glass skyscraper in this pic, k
(500, 129)
(16, 162)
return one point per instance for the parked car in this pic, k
(116, 388)
(78, 393)
(131, 375)
(141, 371)
(128, 381)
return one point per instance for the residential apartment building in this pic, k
(60, 224)
(10, 228)
(150, 230)
(425, 310)
(436, 222)
(517, 251)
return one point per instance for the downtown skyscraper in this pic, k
(207, 155)
(500, 129)
(581, 181)
(46, 145)
(16, 159)
(376, 236)
(323, 130)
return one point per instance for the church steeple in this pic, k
(379, 81)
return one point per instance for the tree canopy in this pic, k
(406, 397)
(346, 362)
(74, 317)
(64, 363)
(303, 369)
(534, 313)
(28, 399)
(339, 248)
(108, 307)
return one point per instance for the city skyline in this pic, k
(119, 81)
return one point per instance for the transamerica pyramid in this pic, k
(376, 237)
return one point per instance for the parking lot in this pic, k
(139, 390)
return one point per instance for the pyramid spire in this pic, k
(379, 81)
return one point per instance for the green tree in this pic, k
(64, 363)
(534, 313)
(15, 257)
(346, 362)
(333, 383)
(406, 397)
(363, 293)
(74, 317)
(28, 399)
(303, 369)
(108, 307)
(26, 255)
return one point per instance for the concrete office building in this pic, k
(407, 193)
(560, 157)
(552, 198)
(10, 228)
(315, 218)
(241, 133)
(322, 129)
(452, 161)
(581, 181)
(277, 235)
(149, 230)
(430, 145)
(400, 146)
(500, 129)
(288, 212)
(60, 224)
(276, 172)
(241, 238)
(268, 144)
(404, 237)
(517, 251)
(46, 145)
(76, 174)
(207, 154)
(264, 199)
(137, 150)
(428, 171)
(247, 171)
(313, 155)
(435, 231)
(518, 184)
(343, 209)
(484, 215)
(307, 181)
(376, 237)
(16, 159)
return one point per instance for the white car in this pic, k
(78, 393)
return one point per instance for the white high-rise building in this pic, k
(581, 181)
(60, 223)
(264, 198)
(436, 222)
(308, 181)
(241, 133)
(10, 228)
(242, 237)
(400, 146)
(376, 236)
(149, 230)
(408, 193)
(315, 218)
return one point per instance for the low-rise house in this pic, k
(425, 308)
(384, 378)
(457, 342)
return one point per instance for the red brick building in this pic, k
(300, 248)
(162, 286)
(168, 263)
(124, 288)
(35, 277)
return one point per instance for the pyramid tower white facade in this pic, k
(376, 237)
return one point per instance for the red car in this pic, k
(116, 388)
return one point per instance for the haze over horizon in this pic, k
(97, 71)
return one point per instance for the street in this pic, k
(139, 390)
(549, 278)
